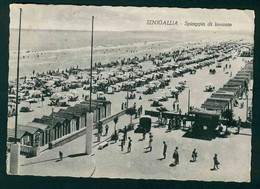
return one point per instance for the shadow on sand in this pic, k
(172, 165)
(43, 161)
(160, 159)
(77, 155)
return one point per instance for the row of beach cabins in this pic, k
(59, 125)
(226, 97)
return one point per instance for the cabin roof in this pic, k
(20, 133)
(38, 125)
(27, 128)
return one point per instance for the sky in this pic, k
(107, 18)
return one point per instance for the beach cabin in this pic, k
(69, 123)
(23, 137)
(235, 90)
(248, 74)
(44, 132)
(76, 117)
(55, 126)
(35, 133)
(102, 108)
(215, 104)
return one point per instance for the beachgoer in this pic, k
(116, 136)
(150, 144)
(61, 155)
(122, 145)
(216, 163)
(129, 148)
(164, 149)
(106, 129)
(194, 155)
(144, 133)
(176, 156)
(238, 124)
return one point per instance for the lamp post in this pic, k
(15, 148)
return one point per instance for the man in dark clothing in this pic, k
(164, 149)
(238, 124)
(176, 156)
(144, 133)
(61, 155)
(116, 136)
(122, 145)
(216, 163)
(106, 130)
(150, 144)
(194, 155)
(129, 145)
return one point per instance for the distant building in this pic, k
(246, 51)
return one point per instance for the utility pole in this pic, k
(127, 96)
(246, 107)
(91, 63)
(189, 101)
(15, 148)
(17, 77)
(89, 126)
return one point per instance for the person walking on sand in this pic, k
(129, 148)
(194, 155)
(150, 144)
(122, 144)
(106, 130)
(238, 124)
(61, 155)
(216, 163)
(176, 156)
(177, 107)
(144, 133)
(164, 149)
(173, 106)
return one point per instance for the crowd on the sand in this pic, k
(123, 75)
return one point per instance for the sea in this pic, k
(43, 50)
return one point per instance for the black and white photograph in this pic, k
(130, 92)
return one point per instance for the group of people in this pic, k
(124, 105)
(175, 123)
(138, 111)
(100, 131)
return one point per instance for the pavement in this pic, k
(234, 154)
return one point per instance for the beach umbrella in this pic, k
(174, 90)
(162, 109)
(74, 93)
(36, 93)
(56, 96)
(11, 96)
(100, 93)
(30, 100)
